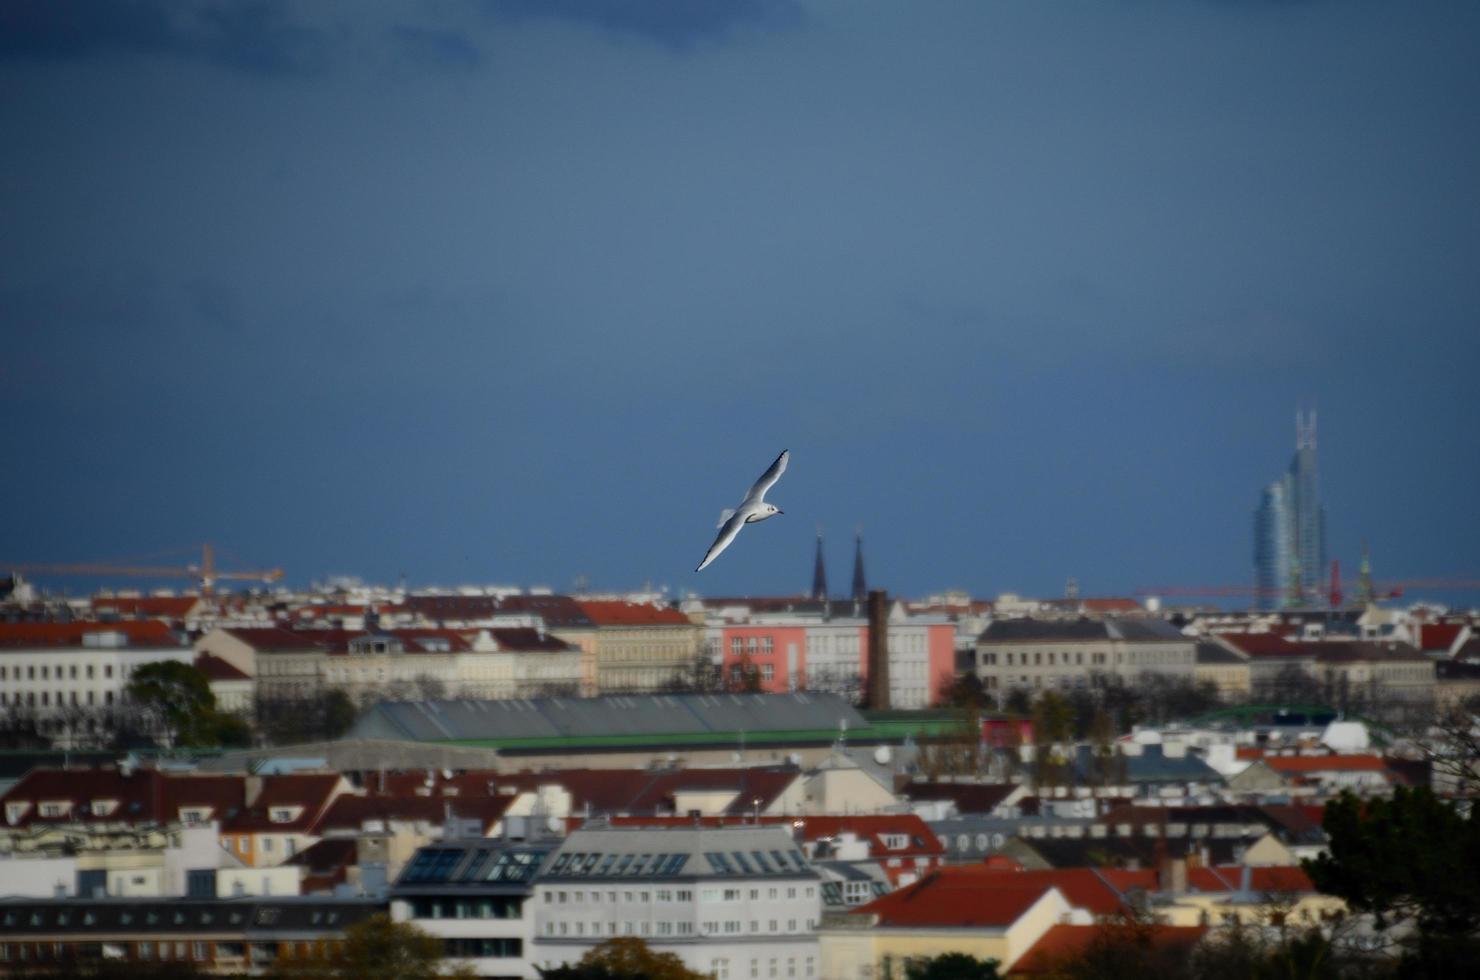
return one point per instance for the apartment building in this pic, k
(487, 662)
(475, 895)
(823, 646)
(731, 902)
(1062, 654)
(229, 937)
(50, 668)
(640, 646)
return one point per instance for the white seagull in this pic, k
(752, 509)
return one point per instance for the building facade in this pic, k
(732, 902)
(1037, 654)
(1290, 528)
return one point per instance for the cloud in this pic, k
(675, 24)
(255, 36)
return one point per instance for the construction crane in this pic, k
(1376, 590)
(206, 573)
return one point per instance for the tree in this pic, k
(964, 690)
(951, 966)
(338, 712)
(179, 696)
(624, 958)
(1398, 858)
(373, 949)
(230, 731)
(1053, 723)
(1019, 701)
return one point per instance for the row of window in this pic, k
(612, 897)
(597, 929)
(485, 907)
(754, 646)
(617, 865)
(29, 698)
(143, 949)
(717, 927)
(719, 968)
(461, 948)
(7, 673)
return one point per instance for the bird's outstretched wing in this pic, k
(727, 532)
(768, 479)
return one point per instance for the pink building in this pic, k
(776, 654)
(832, 655)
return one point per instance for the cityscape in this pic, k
(744, 490)
(819, 784)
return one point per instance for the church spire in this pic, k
(819, 572)
(860, 583)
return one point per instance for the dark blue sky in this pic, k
(521, 291)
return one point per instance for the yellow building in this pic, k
(641, 647)
(946, 912)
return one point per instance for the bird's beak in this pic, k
(780, 511)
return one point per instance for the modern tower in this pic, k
(1290, 527)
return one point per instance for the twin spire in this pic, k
(819, 570)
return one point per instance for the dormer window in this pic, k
(54, 809)
(895, 842)
(103, 807)
(15, 810)
(284, 814)
(194, 815)
(367, 646)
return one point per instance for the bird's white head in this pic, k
(771, 510)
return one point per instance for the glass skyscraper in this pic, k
(1290, 528)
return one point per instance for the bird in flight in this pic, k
(752, 509)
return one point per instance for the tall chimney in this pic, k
(878, 650)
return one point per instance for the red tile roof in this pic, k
(1083, 888)
(1325, 763)
(217, 669)
(968, 797)
(276, 639)
(615, 613)
(644, 792)
(1438, 636)
(1263, 645)
(525, 640)
(920, 839)
(950, 899)
(1062, 942)
(156, 607)
(326, 863)
(557, 611)
(350, 813)
(311, 793)
(139, 633)
(143, 796)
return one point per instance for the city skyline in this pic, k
(503, 292)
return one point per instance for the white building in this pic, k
(51, 668)
(731, 902)
(475, 896)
